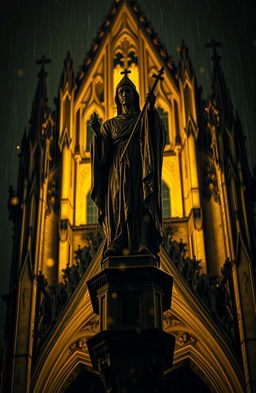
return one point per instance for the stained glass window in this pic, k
(166, 201)
(125, 58)
(188, 101)
(164, 117)
(176, 118)
(91, 213)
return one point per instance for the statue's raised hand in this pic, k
(95, 124)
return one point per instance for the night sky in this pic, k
(31, 28)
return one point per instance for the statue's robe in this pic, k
(128, 193)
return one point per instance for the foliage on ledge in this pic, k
(216, 293)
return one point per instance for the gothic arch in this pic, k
(197, 338)
(83, 187)
(171, 176)
(187, 92)
(125, 55)
(66, 111)
(166, 200)
(176, 119)
(124, 34)
(167, 107)
(202, 342)
(124, 25)
(62, 353)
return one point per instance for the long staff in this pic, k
(157, 78)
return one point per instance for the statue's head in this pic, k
(126, 94)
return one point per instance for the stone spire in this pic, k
(40, 100)
(185, 64)
(220, 90)
(67, 77)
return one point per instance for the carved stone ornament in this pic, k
(63, 230)
(125, 54)
(47, 124)
(183, 338)
(92, 325)
(213, 114)
(25, 297)
(210, 182)
(79, 345)
(52, 197)
(170, 321)
(211, 289)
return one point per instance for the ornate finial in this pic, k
(125, 72)
(43, 61)
(42, 74)
(67, 77)
(183, 45)
(214, 45)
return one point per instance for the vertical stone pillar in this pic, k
(131, 351)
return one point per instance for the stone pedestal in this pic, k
(131, 351)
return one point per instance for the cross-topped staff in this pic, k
(157, 78)
(125, 72)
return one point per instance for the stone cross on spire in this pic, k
(214, 45)
(42, 74)
(125, 72)
(43, 61)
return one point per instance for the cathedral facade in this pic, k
(209, 233)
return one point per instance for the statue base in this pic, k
(131, 351)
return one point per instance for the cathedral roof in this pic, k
(105, 27)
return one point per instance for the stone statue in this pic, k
(128, 191)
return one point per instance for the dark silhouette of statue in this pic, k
(128, 192)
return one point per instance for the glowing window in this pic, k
(66, 112)
(164, 117)
(126, 58)
(92, 211)
(176, 118)
(188, 101)
(166, 201)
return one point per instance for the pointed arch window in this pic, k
(188, 101)
(91, 211)
(176, 120)
(66, 112)
(166, 201)
(125, 57)
(165, 119)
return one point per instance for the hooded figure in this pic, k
(128, 193)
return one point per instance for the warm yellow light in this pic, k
(14, 201)
(20, 72)
(134, 75)
(50, 262)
